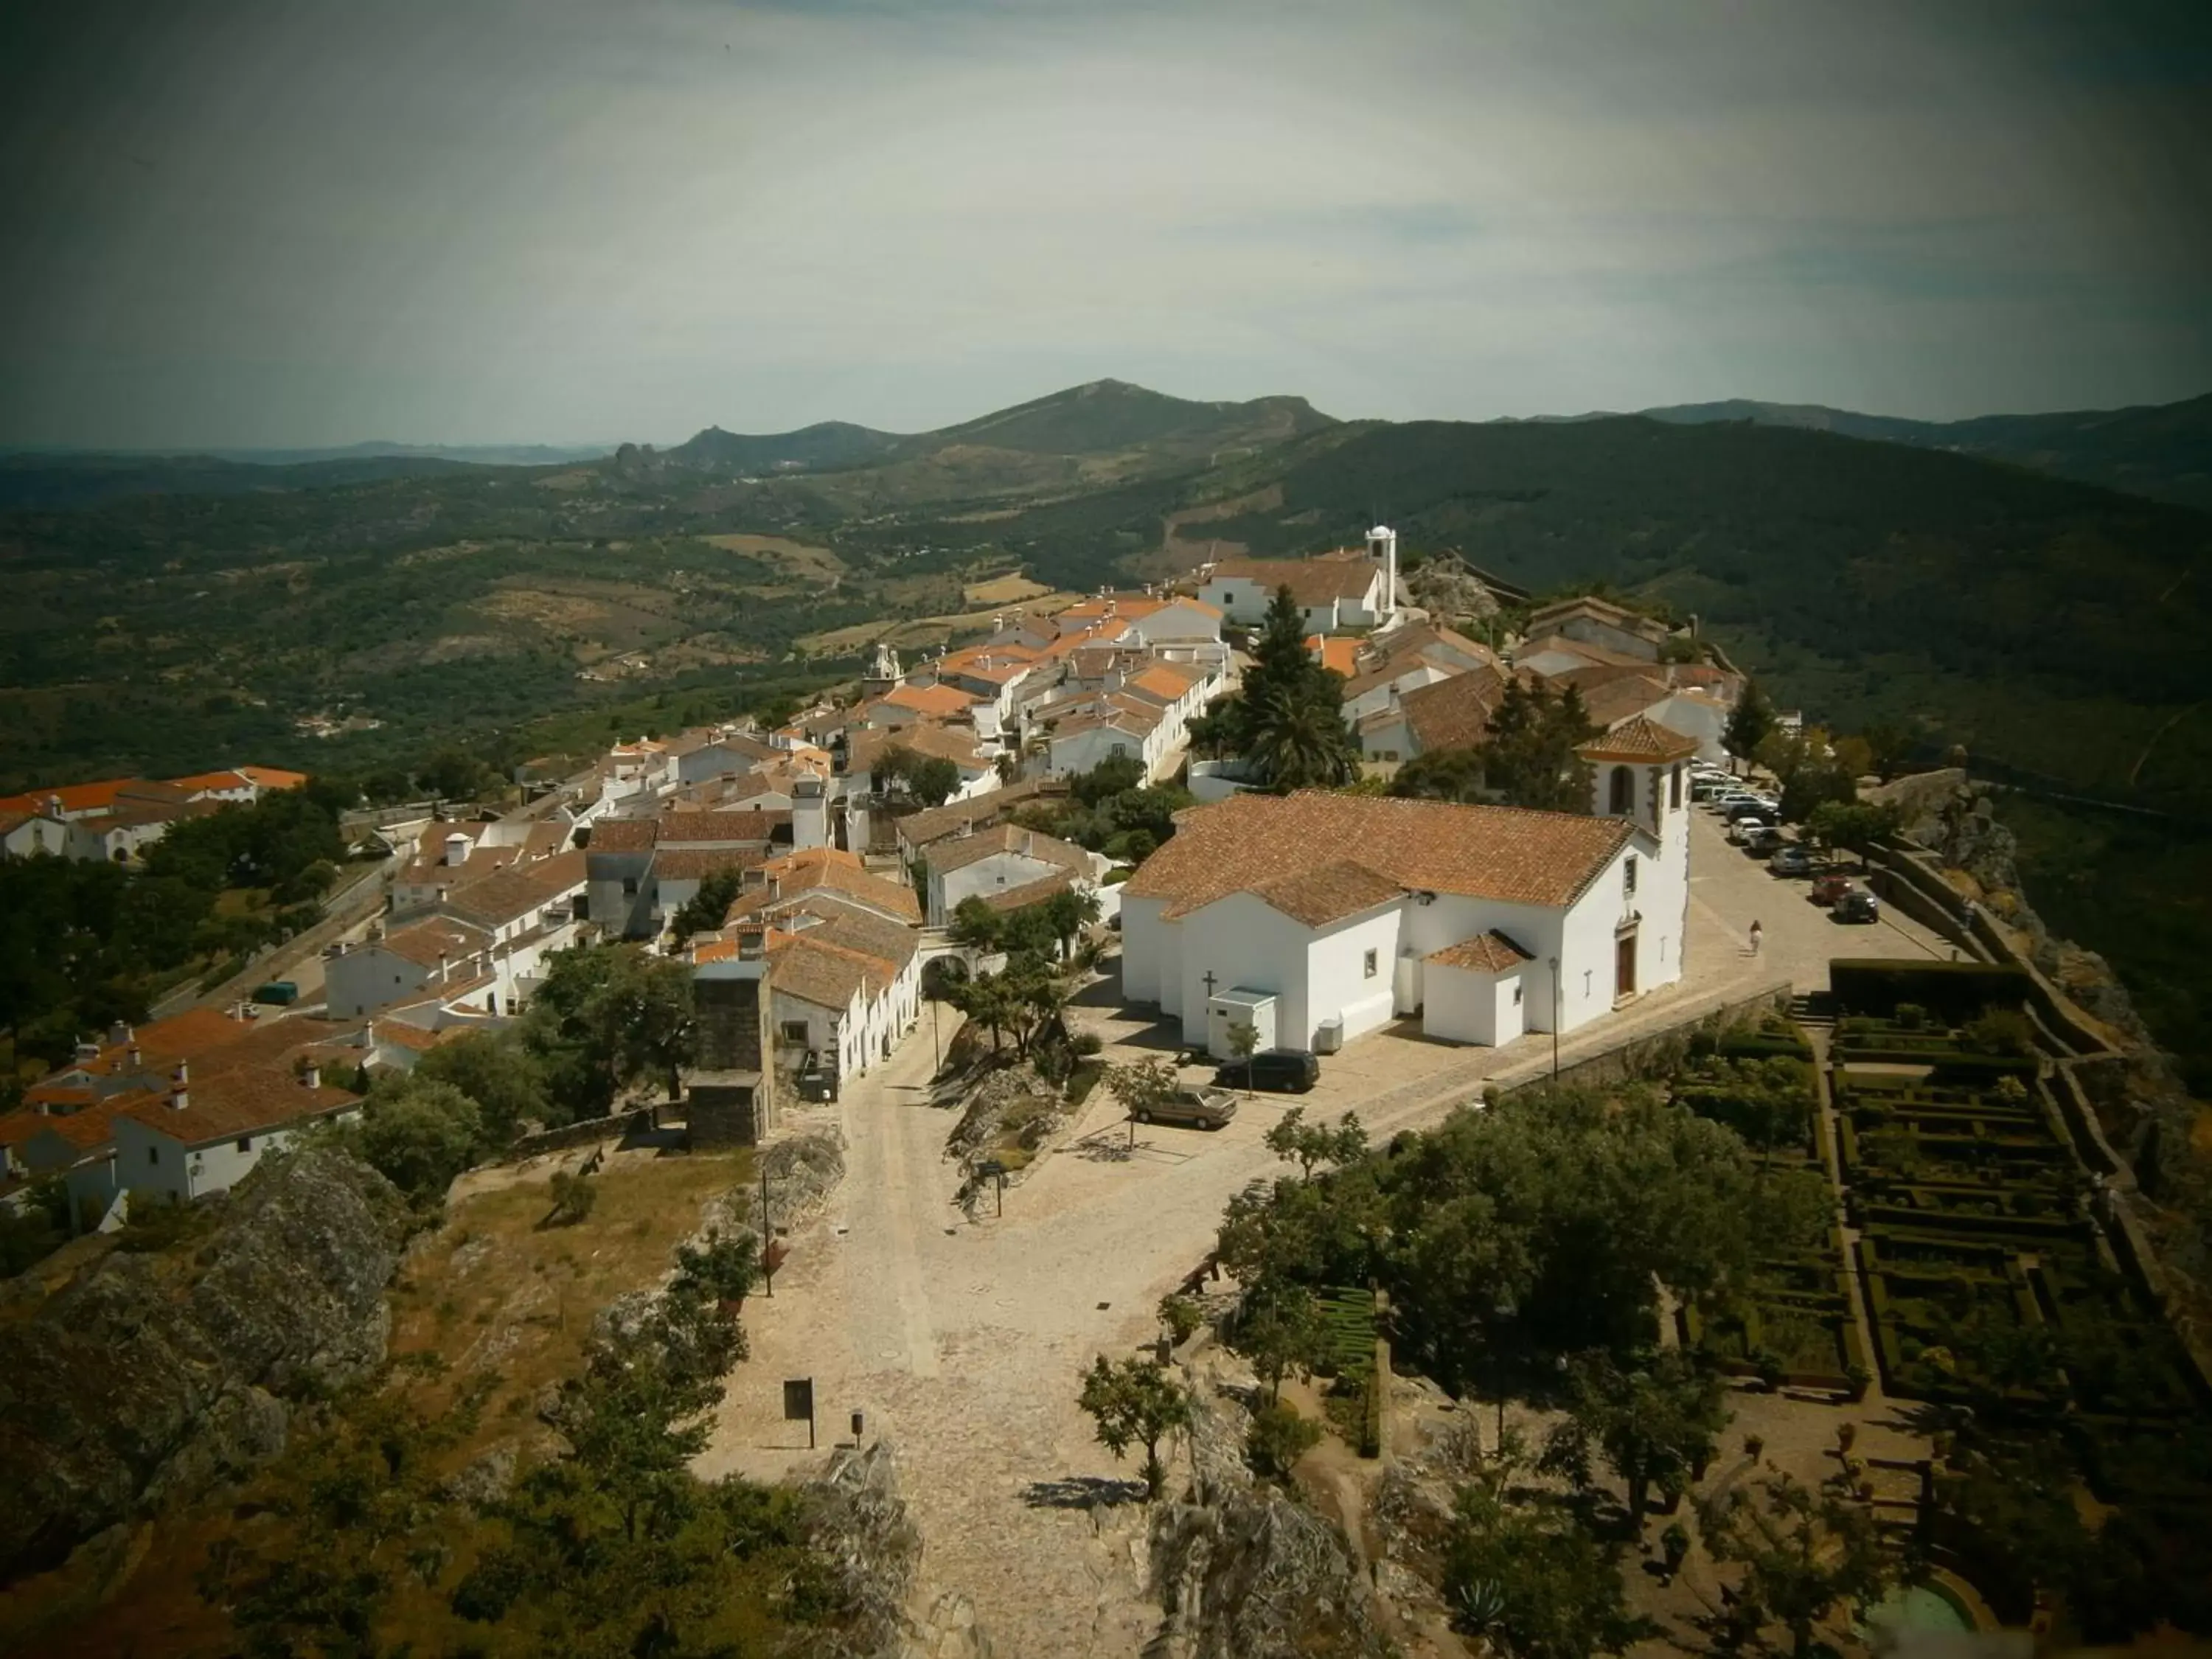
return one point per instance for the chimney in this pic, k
(310, 1075)
(117, 1035)
(457, 849)
(180, 1094)
(441, 969)
(752, 942)
(135, 1058)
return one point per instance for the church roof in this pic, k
(1252, 842)
(1486, 953)
(1639, 739)
(1328, 892)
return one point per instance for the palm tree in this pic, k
(1299, 740)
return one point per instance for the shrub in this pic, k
(2000, 1031)
(1182, 1315)
(1279, 1437)
(1910, 1017)
(573, 1195)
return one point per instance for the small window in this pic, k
(246, 1143)
(630, 886)
(1370, 964)
(1622, 787)
(1674, 788)
(1586, 981)
(153, 1154)
(794, 1031)
(1516, 994)
(1628, 875)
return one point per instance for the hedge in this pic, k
(1952, 991)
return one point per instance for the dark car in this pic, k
(1790, 860)
(1858, 905)
(1752, 811)
(1830, 889)
(1280, 1071)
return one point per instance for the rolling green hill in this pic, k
(2162, 451)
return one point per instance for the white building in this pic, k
(203, 1138)
(1333, 594)
(997, 860)
(1342, 912)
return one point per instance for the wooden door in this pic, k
(1624, 974)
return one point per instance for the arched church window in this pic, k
(1623, 791)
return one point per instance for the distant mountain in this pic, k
(51, 479)
(2163, 451)
(474, 454)
(825, 444)
(1106, 417)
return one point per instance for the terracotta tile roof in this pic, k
(1337, 651)
(1582, 648)
(1486, 953)
(1033, 892)
(1453, 713)
(622, 836)
(1328, 892)
(941, 700)
(945, 856)
(74, 797)
(1311, 582)
(239, 1103)
(1639, 739)
(1599, 609)
(274, 777)
(426, 941)
(816, 971)
(793, 882)
(839, 924)
(482, 863)
(718, 829)
(400, 1034)
(225, 779)
(1166, 681)
(1623, 699)
(695, 863)
(933, 742)
(920, 828)
(1501, 853)
(501, 898)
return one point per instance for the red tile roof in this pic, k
(1311, 582)
(1486, 953)
(1639, 739)
(1505, 853)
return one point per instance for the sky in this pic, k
(300, 223)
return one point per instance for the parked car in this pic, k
(1763, 840)
(1194, 1108)
(1279, 1071)
(1790, 860)
(283, 993)
(1858, 905)
(1753, 811)
(1830, 889)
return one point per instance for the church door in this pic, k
(1624, 973)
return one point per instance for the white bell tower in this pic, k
(1640, 771)
(1382, 550)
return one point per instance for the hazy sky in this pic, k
(307, 221)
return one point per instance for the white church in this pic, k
(1315, 917)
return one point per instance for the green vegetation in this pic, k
(1279, 1437)
(1134, 1403)
(83, 945)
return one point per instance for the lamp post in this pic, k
(1555, 1019)
(768, 1237)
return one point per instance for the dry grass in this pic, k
(1004, 590)
(816, 566)
(918, 630)
(496, 1293)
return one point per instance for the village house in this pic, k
(1592, 621)
(997, 860)
(917, 831)
(401, 965)
(1335, 593)
(639, 871)
(1448, 714)
(1149, 619)
(1318, 917)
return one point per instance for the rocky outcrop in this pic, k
(1242, 1570)
(859, 1523)
(155, 1373)
(1445, 586)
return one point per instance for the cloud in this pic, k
(497, 219)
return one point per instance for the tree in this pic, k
(1244, 1044)
(1527, 755)
(420, 1135)
(606, 1015)
(1654, 1419)
(574, 1193)
(1292, 1138)
(706, 909)
(501, 1074)
(1279, 1437)
(930, 779)
(1857, 825)
(1453, 775)
(1280, 1328)
(1293, 708)
(1070, 912)
(975, 925)
(1140, 1085)
(1888, 745)
(1804, 1555)
(1749, 722)
(723, 1269)
(1135, 1403)
(1531, 1574)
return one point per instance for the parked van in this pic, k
(1279, 1071)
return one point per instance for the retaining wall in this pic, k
(617, 1126)
(1646, 1052)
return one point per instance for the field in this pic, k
(920, 630)
(816, 566)
(1004, 590)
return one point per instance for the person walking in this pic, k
(1758, 938)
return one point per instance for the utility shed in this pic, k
(1239, 1005)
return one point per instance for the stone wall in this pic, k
(1647, 1053)
(616, 1126)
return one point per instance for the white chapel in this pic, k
(1315, 917)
